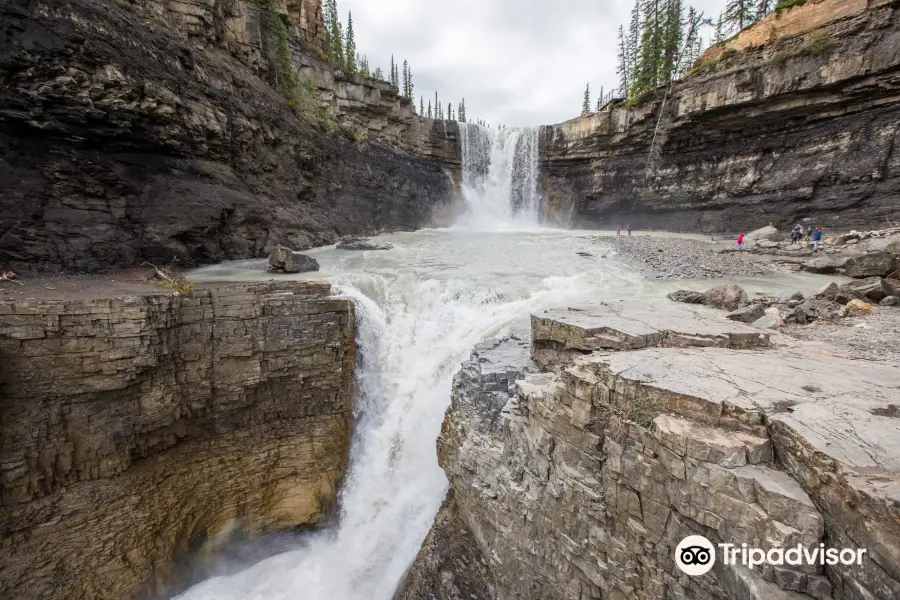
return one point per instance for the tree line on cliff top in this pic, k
(663, 42)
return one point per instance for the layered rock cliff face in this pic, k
(141, 432)
(581, 457)
(147, 131)
(797, 120)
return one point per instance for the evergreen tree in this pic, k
(393, 72)
(586, 104)
(763, 9)
(378, 74)
(405, 91)
(651, 51)
(437, 106)
(633, 44)
(673, 35)
(409, 83)
(624, 68)
(421, 105)
(462, 110)
(598, 105)
(450, 111)
(350, 47)
(429, 109)
(740, 13)
(336, 35)
(721, 31)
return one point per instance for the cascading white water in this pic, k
(500, 174)
(420, 311)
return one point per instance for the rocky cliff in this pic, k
(797, 119)
(144, 431)
(581, 457)
(146, 130)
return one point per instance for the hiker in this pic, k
(629, 230)
(795, 235)
(740, 241)
(618, 230)
(817, 238)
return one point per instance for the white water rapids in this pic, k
(421, 307)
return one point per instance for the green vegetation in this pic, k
(586, 103)
(786, 4)
(818, 42)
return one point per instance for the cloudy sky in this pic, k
(516, 62)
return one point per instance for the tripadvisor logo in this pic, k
(696, 555)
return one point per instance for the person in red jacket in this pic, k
(740, 241)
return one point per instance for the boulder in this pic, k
(824, 265)
(285, 260)
(686, 296)
(788, 295)
(873, 264)
(890, 301)
(822, 308)
(768, 233)
(728, 297)
(873, 288)
(768, 322)
(747, 314)
(829, 292)
(363, 244)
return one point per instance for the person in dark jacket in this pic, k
(817, 238)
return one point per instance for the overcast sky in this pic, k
(516, 62)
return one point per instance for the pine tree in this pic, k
(651, 49)
(624, 68)
(429, 109)
(720, 30)
(586, 104)
(437, 106)
(462, 110)
(378, 74)
(350, 65)
(740, 13)
(405, 91)
(763, 9)
(633, 43)
(409, 83)
(673, 37)
(421, 105)
(450, 111)
(336, 36)
(393, 72)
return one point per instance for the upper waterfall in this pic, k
(499, 177)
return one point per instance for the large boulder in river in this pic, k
(873, 264)
(824, 265)
(285, 260)
(363, 244)
(748, 314)
(726, 297)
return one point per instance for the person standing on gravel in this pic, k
(629, 230)
(740, 241)
(817, 238)
(618, 230)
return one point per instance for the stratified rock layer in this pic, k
(147, 131)
(143, 430)
(579, 482)
(802, 124)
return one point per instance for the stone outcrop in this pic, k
(577, 479)
(285, 260)
(143, 431)
(133, 131)
(801, 125)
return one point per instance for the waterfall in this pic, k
(499, 173)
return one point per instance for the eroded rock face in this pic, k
(579, 481)
(772, 133)
(144, 430)
(147, 131)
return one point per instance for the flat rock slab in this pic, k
(634, 326)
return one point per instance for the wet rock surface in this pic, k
(285, 260)
(363, 244)
(142, 432)
(577, 481)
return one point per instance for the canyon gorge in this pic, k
(499, 383)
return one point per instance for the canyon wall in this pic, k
(146, 130)
(796, 119)
(580, 457)
(139, 434)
